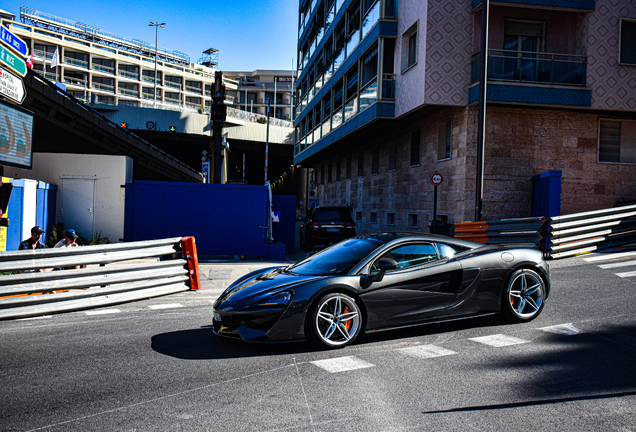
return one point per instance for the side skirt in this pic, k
(431, 322)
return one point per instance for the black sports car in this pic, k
(382, 281)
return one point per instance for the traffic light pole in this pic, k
(218, 112)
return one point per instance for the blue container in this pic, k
(546, 194)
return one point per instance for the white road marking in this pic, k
(499, 340)
(609, 257)
(342, 364)
(426, 351)
(626, 274)
(618, 264)
(36, 318)
(561, 329)
(103, 312)
(166, 306)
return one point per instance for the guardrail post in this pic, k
(189, 253)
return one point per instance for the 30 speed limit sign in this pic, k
(437, 179)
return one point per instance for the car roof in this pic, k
(394, 237)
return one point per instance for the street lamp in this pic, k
(156, 25)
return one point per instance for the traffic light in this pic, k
(124, 125)
(172, 129)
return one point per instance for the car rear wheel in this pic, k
(524, 296)
(335, 321)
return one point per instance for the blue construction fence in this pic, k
(32, 202)
(226, 220)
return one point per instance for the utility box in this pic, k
(546, 194)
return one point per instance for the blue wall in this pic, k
(45, 212)
(285, 230)
(224, 219)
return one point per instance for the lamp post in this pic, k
(156, 25)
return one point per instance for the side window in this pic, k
(411, 255)
(446, 251)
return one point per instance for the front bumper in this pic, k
(250, 325)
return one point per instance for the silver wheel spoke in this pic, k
(515, 294)
(524, 282)
(327, 317)
(533, 289)
(522, 305)
(348, 316)
(343, 331)
(337, 307)
(532, 303)
(330, 330)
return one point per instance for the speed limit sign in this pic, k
(437, 179)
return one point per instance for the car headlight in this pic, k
(278, 299)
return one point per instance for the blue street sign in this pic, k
(13, 42)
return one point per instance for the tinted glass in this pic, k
(338, 259)
(411, 255)
(331, 214)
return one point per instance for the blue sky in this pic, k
(249, 34)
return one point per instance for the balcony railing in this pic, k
(193, 89)
(128, 92)
(369, 94)
(533, 67)
(150, 79)
(102, 68)
(388, 86)
(173, 85)
(126, 74)
(103, 87)
(75, 62)
(74, 81)
(39, 54)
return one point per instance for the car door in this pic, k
(419, 289)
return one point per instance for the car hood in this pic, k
(259, 285)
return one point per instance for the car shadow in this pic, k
(203, 344)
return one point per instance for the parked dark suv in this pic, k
(326, 226)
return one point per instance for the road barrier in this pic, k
(109, 274)
(525, 232)
(591, 231)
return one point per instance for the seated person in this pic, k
(69, 239)
(33, 242)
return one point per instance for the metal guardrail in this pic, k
(107, 278)
(524, 232)
(590, 231)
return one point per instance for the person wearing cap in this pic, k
(69, 239)
(34, 241)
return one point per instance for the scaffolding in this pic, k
(210, 58)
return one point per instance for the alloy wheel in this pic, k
(525, 295)
(337, 320)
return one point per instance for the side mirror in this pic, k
(383, 265)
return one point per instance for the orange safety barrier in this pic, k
(189, 252)
(473, 231)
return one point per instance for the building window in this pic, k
(392, 156)
(322, 174)
(444, 139)
(358, 215)
(617, 141)
(415, 148)
(348, 172)
(338, 169)
(390, 218)
(409, 47)
(361, 164)
(373, 217)
(628, 42)
(375, 160)
(412, 220)
(329, 171)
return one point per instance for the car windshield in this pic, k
(330, 214)
(338, 259)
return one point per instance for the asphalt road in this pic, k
(156, 365)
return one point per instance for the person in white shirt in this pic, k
(68, 240)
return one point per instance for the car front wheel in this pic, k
(524, 296)
(335, 321)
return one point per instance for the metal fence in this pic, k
(107, 275)
(590, 231)
(525, 232)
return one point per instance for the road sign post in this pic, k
(437, 180)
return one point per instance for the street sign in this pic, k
(13, 42)
(150, 125)
(437, 179)
(11, 86)
(16, 64)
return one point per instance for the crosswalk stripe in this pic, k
(166, 306)
(426, 351)
(618, 264)
(342, 364)
(103, 312)
(561, 329)
(626, 274)
(609, 257)
(498, 340)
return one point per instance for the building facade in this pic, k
(388, 94)
(101, 67)
(257, 87)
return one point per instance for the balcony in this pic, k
(128, 92)
(126, 74)
(533, 78)
(75, 62)
(171, 84)
(533, 67)
(193, 89)
(102, 68)
(74, 81)
(582, 5)
(103, 87)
